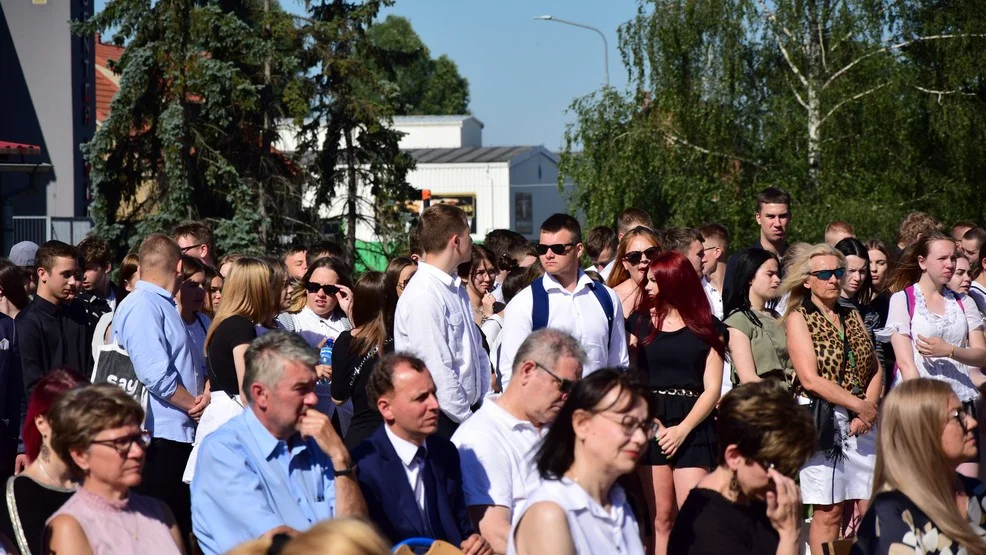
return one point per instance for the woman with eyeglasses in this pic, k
(921, 504)
(637, 249)
(838, 377)
(598, 436)
(479, 274)
(190, 300)
(750, 505)
(96, 431)
(399, 273)
(935, 334)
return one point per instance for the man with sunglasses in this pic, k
(497, 445)
(565, 298)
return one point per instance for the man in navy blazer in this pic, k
(411, 478)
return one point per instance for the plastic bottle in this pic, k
(325, 356)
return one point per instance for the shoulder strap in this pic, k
(539, 310)
(198, 318)
(602, 295)
(909, 298)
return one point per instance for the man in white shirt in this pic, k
(434, 318)
(601, 246)
(715, 243)
(589, 311)
(497, 445)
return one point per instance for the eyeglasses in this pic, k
(402, 285)
(185, 250)
(485, 273)
(560, 248)
(961, 415)
(633, 257)
(826, 275)
(630, 424)
(124, 444)
(328, 288)
(564, 385)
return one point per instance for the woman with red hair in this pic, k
(678, 347)
(36, 493)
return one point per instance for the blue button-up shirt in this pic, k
(248, 482)
(148, 326)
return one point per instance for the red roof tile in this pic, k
(22, 149)
(106, 86)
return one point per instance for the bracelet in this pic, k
(952, 353)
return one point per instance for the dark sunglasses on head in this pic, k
(328, 288)
(826, 275)
(633, 257)
(560, 248)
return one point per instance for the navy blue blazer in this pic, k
(390, 499)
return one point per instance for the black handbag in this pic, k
(822, 411)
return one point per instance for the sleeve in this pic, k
(619, 355)
(516, 327)
(343, 366)
(486, 476)
(898, 319)
(491, 328)
(30, 347)
(237, 331)
(738, 321)
(883, 529)
(142, 335)
(459, 506)
(972, 315)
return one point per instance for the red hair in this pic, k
(680, 288)
(48, 389)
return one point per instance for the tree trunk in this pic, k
(814, 70)
(352, 190)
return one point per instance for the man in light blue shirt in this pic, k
(279, 466)
(148, 326)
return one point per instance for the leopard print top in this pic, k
(828, 346)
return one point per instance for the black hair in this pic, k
(854, 247)
(558, 222)
(736, 297)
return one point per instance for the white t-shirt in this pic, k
(496, 453)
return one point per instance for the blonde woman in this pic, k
(339, 536)
(838, 376)
(920, 504)
(637, 249)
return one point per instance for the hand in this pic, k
(670, 439)
(784, 506)
(345, 298)
(316, 425)
(866, 411)
(488, 302)
(323, 373)
(476, 545)
(933, 346)
(20, 463)
(857, 427)
(198, 408)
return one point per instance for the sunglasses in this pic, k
(560, 248)
(826, 275)
(564, 385)
(328, 288)
(633, 257)
(190, 247)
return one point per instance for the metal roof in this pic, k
(435, 119)
(469, 154)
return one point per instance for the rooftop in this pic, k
(469, 154)
(107, 82)
(400, 120)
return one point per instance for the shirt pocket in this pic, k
(457, 331)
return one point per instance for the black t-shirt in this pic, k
(366, 418)
(231, 332)
(708, 524)
(35, 503)
(674, 359)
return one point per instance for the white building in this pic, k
(512, 187)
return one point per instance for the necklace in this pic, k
(51, 480)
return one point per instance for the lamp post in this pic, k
(574, 24)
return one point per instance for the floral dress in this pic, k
(896, 526)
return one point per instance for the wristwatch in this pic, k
(351, 470)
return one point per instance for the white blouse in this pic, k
(594, 529)
(953, 327)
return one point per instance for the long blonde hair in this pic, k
(797, 274)
(910, 459)
(619, 273)
(246, 292)
(339, 536)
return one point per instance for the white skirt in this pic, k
(221, 409)
(849, 475)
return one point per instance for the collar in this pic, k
(332, 318)
(46, 306)
(268, 444)
(406, 451)
(446, 279)
(810, 307)
(580, 500)
(512, 421)
(155, 289)
(584, 281)
(707, 285)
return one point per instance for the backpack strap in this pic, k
(539, 310)
(602, 295)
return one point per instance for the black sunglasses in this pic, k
(190, 247)
(328, 288)
(560, 248)
(633, 257)
(826, 275)
(564, 385)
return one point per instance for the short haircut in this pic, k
(294, 248)
(414, 242)
(266, 356)
(545, 346)
(48, 252)
(438, 224)
(681, 238)
(599, 239)
(323, 249)
(716, 232)
(500, 241)
(963, 223)
(976, 234)
(631, 218)
(840, 225)
(200, 232)
(382, 377)
(158, 252)
(772, 195)
(558, 222)
(95, 250)
(914, 225)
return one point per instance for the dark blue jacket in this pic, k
(390, 499)
(12, 406)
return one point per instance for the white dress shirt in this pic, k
(434, 321)
(577, 313)
(715, 297)
(407, 452)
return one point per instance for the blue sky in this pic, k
(523, 74)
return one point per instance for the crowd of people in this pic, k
(641, 390)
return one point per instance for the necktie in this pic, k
(432, 521)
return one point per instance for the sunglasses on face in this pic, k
(564, 385)
(560, 248)
(826, 275)
(190, 247)
(328, 288)
(633, 257)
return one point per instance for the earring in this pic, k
(734, 486)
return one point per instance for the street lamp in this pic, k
(574, 24)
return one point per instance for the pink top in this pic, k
(133, 525)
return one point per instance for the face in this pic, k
(115, 457)
(856, 270)
(463, 247)
(30, 280)
(958, 232)
(94, 277)
(773, 220)
(565, 263)
(751, 474)
(713, 252)
(958, 440)
(546, 393)
(63, 281)
(651, 288)
(406, 274)
(696, 255)
(971, 250)
(766, 280)
(878, 267)
(297, 264)
(282, 408)
(411, 407)
(216, 292)
(321, 302)
(190, 246)
(482, 278)
(286, 294)
(940, 262)
(960, 281)
(191, 293)
(604, 258)
(824, 289)
(613, 437)
(637, 249)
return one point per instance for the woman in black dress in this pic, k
(357, 351)
(678, 346)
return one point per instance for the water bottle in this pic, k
(325, 357)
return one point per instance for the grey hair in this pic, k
(267, 354)
(546, 346)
